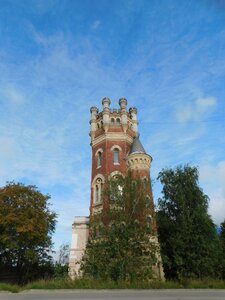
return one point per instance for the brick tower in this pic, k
(116, 149)
(112, 134)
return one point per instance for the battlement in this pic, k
(110, 118)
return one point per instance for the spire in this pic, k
(137, 146)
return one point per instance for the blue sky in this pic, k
(60, 57)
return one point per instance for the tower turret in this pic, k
(138, 163)
(133, 115)
(93, 122)
(123, 111)
(106, 113)
(138, 160)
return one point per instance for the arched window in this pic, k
(98, 191)
(145, 182)
(116, 160)
(147, 201)
(117, 121)
(116, 188)
(149, 223)
(99, 159)
(112, 121)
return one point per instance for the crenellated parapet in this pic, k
(111, 118)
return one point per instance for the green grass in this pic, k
(9, 287)
(86, 283)
(204, 284)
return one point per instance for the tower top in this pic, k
(123, 103)
(113, 119)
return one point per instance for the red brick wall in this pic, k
(107, 158)
(108, 166)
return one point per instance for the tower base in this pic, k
(80, 233)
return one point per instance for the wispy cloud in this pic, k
(13, 95)
(212, 177)
(197, 110)
(95, 25)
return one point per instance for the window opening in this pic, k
(145, 182)
(99, 159)
(96, 194)
(116, 156)
(98, 190)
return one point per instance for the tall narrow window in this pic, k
(145, 183)
(117, 121)
(96, 194)
(99, 159)
(116, 156)
(98, 191)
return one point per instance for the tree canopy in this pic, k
(189, 242)
(120, 247)
(26, 226)
(222, 239)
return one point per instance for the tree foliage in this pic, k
(222, 239)
(64, 252)
(26, 226)
(189, 242)
(119, 247)
(61, 266)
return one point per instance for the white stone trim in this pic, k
(116, 147)
(97, 189)
(96, 177)
(99, 150)
(115, 173)
(112, 136)
(138, 161)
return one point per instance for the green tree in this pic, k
(189, 242)
(26, 227)
(61, 266)
(222, 239)
(120, 247)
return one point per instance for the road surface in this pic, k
(179, 294)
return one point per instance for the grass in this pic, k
(9, 287)
(204, 284)
(86, 283)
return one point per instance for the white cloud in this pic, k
(7, 148)
(196, 110)
(213, 173)
(205, 104)
(217, 205)
(13, 94)
(213, 179)
(95, 25)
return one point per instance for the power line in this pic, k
(187, 122)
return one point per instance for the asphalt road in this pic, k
(116, 294)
